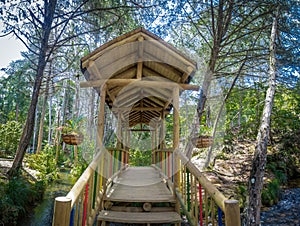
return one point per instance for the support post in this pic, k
(119, 132)
(101, 115)
(232, 213)
(176, 130)
(62, 211)
(162, 130)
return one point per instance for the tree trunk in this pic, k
(42, 119)
(255, 183)
(57, 139)
(50, 117)
(28, 128)
(35, 128)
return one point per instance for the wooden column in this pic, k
(62, 211)
(139, 72)
(232, 213)
(101, 116)
(176, 130)
(119, 131)
(162, 130)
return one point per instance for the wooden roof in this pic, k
(140, 71)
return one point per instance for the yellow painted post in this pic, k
(232, 213)
(62, 211)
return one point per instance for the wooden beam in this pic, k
(139, 108)
(101, 115)
(186, 74)
(139, 72)
(139, 83)
(141, 130)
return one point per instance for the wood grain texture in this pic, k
(140, 184)
(139, 218)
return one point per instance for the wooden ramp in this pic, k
(139, 196)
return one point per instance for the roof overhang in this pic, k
(140, 71)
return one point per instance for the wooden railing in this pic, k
(201, 201)
(164, 159)
(85, 199)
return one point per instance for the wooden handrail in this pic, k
(211, 189)
(83, 179)
(85, 198)
(193, 185)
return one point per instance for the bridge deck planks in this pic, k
(138, 218)
(140, 184)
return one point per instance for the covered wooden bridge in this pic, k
(140, 77)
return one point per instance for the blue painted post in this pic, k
(72, 215)
(219, 217)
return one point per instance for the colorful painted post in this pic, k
(219, 216)
(72, 215)
(111, 164)
(200, 205)
(95, 187)
(188, 189)
(115, 161)
(120, 159)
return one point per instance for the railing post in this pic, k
(232, 213)
(62, 211)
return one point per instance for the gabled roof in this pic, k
(140, 71)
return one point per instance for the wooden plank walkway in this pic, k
(140, 184)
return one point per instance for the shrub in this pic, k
(270, 193)
(44, 163)
(15, 196)
(10, 134)
(140, 158)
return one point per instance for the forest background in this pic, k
(246, 47)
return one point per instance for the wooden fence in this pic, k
(201, 201)
(83, 202)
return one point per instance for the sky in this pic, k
(10, 50)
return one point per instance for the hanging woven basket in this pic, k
(203, 141)
(72, 138)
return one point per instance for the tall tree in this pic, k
(33, 22)
(49, 10)
(260, 156)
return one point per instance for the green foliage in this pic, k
(270, 193)
(10, 133)
(242, 194)
(15, 196)
(43, 162)
(73, 125)
(15, 91)
(244, 109)
(77, 169)
(140, 158)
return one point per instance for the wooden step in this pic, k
(154, 193)
(139, 218)
(140, 184)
